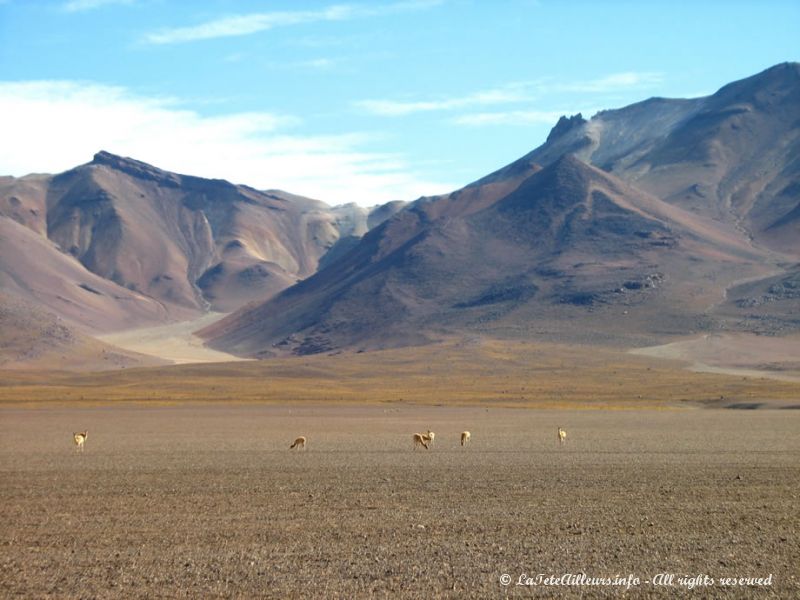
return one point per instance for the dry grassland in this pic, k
(485, 372)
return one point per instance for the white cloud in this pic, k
(52, 126)
(393, 108)
(317, 63)
(83, 5)
(245, 25)
(512, 117)
(613, 82)
(519, 93)
(248, 24)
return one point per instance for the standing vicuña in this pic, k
(299, 443)
(80, 440)
(562, 435)
(419, 440)
(465, 435)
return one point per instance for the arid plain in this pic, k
(187, 487)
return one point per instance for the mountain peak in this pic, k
(107, 158)
(569, 160)
(566, 124)
(784, 69)
(783, 78)
(134, 168)
(568, 166)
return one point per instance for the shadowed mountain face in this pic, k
(624, 228)
(567, 245)
(733, 156)
(117, 243)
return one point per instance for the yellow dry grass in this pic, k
(488, 372)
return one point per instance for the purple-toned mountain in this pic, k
(733, 156)
(117, 243)
(623, 228)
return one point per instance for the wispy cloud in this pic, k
(84, 5)
(394, 108)
(320, 63)
(248, 24)
(613, 82)
(511, 117)
(56, 125)
(521, 93)
(317, 63)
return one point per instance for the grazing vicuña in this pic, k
(80, 440)
(299, 443)
(465, 435)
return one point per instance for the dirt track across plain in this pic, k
(208, 501)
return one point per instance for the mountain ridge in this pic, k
(610, 231)
(182, 243)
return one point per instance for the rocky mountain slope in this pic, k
(734, 155)
(628, 227)
(32, 338)
(116, 243)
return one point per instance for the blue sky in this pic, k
(356, 101)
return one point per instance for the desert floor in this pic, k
(735, 354)
(176, 342)
(208, 501)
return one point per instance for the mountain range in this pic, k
(662, 218)
(635, 224)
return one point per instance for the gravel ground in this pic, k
(208, 501)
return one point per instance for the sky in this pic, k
(363, 101)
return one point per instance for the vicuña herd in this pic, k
(420, 439)
(426, 439)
